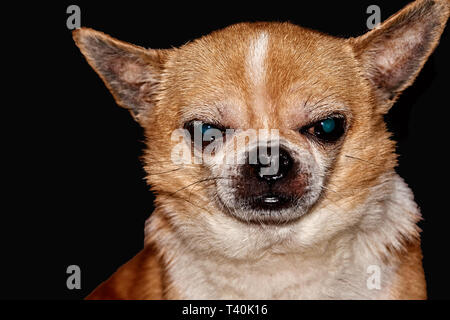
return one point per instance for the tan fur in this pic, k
(141, 277)
(409, 283)
(274, 75)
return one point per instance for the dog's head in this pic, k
(268, 122)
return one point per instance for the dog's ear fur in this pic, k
(131, 73)
(392, 54)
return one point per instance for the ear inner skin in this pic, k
(131, 73)
(392, 55)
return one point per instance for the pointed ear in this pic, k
(392, 54)
(131, 73)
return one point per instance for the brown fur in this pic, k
(163, 88)
(410, 280)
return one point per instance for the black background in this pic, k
(83, 196)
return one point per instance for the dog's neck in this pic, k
(225, 259)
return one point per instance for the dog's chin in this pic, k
(270, 209)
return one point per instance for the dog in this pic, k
(319, 212)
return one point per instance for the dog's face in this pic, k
(268, 123)
(243, 79)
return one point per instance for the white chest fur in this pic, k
(277, 277)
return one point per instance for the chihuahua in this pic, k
(268, 153)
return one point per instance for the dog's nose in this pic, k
(273, 167)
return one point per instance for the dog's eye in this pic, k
(328, 130)
(202, 134)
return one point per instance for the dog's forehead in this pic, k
(257, 69)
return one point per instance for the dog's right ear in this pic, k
(131, 73)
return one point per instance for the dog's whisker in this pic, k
(164, 172)
(188, 201)
(334, 191)
(329, 202)
(199, 181)
(162, 161)
(363, 160)
(199, 190)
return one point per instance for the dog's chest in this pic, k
(271, 278)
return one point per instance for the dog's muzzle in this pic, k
(271, 182)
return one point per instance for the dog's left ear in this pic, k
(392, 54)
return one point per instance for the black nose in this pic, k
(273, 167)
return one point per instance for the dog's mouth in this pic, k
(270, 207)
(270, 202)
